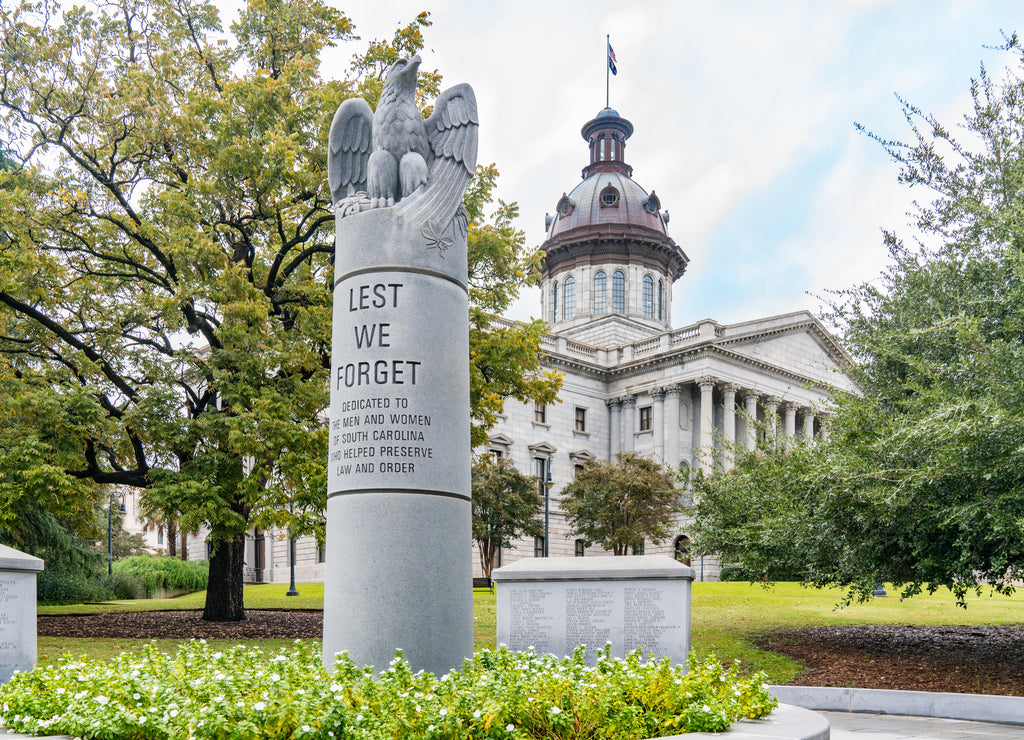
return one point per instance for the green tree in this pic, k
(620, 504)
(922, 480)
(165, 276)
(505, 506)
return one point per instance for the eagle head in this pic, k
(402, 74)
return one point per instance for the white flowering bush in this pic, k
(243, 693)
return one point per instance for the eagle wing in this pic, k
(348, 148)
(452, 132)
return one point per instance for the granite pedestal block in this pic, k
(17, 611)
(554, 605)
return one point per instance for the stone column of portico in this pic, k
(823, 429)
(628, 422)
(614, 410)
(808, 426)
(789, 423)
(658, 395)
(728, 424)
(672, 424)
(707, 423)
(750, 399)
(771, 416)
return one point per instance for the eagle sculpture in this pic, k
(393, 158)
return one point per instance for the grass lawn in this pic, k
(725, 617)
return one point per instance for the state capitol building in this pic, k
(632, 382)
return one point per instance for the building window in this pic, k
(580, 420)
(540, 413)
(648, 297)
(681, 549)
(638, 549)
(538, 547)
(645, 419)
(160, 536)
(321, 553)
(580, 549)
(569, 297)
(661, 301)
(576, 470)
(554, 299)
(609, 196)
(497, 454)
(601, 157)
(600, 292)
(619, 292)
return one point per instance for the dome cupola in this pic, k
(607, 251)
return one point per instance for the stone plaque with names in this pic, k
(17, 611)
(554, 605)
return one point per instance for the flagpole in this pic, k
(607, 68)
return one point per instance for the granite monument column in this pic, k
(399, 571)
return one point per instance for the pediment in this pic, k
(580, 456)
(543, 448)
(500, 440)
(805, 350)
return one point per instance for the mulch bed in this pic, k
(959, 659)
(259, 624)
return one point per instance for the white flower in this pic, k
(476, 714)
(305, 728)
(359, 718)
(173, 713)
(444, 711)
(259, 706)
(509, 727)
(430, 728)
(101, 700)
(556, 709)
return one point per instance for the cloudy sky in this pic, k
(744, 118)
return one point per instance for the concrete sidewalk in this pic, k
(859, 726)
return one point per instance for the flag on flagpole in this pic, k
(612, 60)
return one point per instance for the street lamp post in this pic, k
(547, 499)
(110, 531)
(291, 556)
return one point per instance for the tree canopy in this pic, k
(506, 504)
(921, 482)
(620, 504)
(166, 262)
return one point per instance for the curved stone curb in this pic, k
(973, 707)
(785, 723)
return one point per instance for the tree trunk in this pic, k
(224, 601)
(487, 551)
(172, 538)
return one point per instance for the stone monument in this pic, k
(556, 604)
(399, 571)
(17, 611)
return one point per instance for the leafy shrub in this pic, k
(732, 573)
(155, 573)
(240, 693)
(64, 587)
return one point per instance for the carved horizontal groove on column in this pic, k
(399, 268)
(404, 491)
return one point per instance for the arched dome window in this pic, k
(554, 301)
(569, 296)
(600, 292)
(609, 197)
(619, 292)
(648, 297)
(565, 205)
(661, 301)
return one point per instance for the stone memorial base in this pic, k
(554, 605)
(17, 611)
